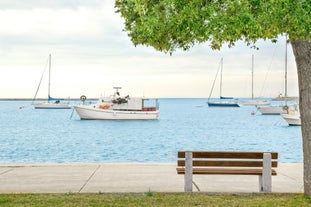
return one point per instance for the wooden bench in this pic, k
(261, 164)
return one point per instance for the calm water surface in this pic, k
(30, 135)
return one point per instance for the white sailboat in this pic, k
(278, 109)
(254, 102)
(280, 97)
(221, 103)
(272, 110)
(51, 103)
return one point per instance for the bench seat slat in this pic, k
(225, 171)
(226, 163)
(213, 154)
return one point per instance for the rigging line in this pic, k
(268, 70)
(210, 94)
(72, 113)
(39, 83)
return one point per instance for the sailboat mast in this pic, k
(285, 65)
(253, 76)
(221, 66)
(49, 78)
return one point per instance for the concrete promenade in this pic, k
(132, 177)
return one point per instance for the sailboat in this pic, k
(279, 109)
(255, 102)
(51, 103)
(280, 97)
(221, 103)
(292, 118)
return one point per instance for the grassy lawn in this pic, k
(154, 199)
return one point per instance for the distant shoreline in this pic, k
(41, 99)
(293, 98)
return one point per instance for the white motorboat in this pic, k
(292, 119)
(119, 108)
(51, 103)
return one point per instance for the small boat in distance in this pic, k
(115, 107)
(280, 109)
(280, 97)
(223, 104)
(52, 103)
(292, 118)
(220, 103)
(254, 102)
(273, 110)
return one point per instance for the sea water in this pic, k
(31, 135)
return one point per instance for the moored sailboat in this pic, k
(278, 109)
(221, 103)
(51, 103)
(252, 101)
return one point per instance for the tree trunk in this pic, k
(302, 52)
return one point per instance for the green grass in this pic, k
(154, 199)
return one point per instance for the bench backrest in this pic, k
(226, 159)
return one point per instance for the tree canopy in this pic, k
(170, 24)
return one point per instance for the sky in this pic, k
(91, 54)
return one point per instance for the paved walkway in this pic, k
(132, 177)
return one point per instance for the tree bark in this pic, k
(302, 52)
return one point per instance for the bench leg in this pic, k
(188, 172)
(265, 181)
(260, 184)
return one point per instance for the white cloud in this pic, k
(51, 24)
(91, 53)
(53, 4)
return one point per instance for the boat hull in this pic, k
(89, 112)
(256, 102)
(292, 120)
(52, 106)
(272, 110)
(222, 104)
